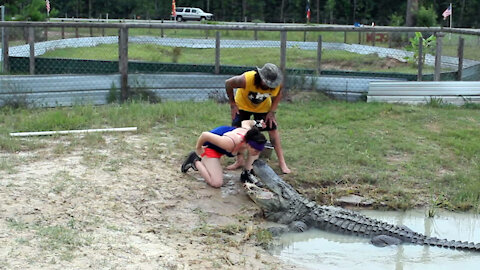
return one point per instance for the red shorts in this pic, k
(210, 153)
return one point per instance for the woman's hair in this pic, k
(255, 138)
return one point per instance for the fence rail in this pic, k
(306, 53)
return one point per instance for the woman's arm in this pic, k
(248, 124)
(220, 141)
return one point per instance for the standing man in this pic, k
(258, 93)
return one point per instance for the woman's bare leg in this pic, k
(211, 170)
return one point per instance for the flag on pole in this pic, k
(308, 10)
(47, 4)
(174, 12)
(447, 12)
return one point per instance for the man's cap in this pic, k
(271, 75)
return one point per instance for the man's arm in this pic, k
(230, 84)
(276, 100)
(270, 118)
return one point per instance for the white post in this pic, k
(62, 132)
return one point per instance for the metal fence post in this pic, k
(31, 44)
(3, 37)
(438, 56)
(283, 50)
(5, 56)
(217, 52)
(319, 55)
(373, 37)
(461, 44)
(420, 59)
(123, 61)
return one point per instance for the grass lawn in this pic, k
(401, 156)
(296, 58)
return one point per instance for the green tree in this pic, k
(426, 17)
(329, 8)
(33, 11)
(428, 46)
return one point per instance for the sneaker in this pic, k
(190, 162)
(249, 176)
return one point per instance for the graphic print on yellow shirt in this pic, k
(252, 98)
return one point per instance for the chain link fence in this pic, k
(178, 61)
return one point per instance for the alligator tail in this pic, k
(349, 222)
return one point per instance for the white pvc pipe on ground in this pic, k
(43, 133)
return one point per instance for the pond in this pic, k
(316, 249)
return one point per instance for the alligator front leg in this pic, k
(385, 240)
(298, 226)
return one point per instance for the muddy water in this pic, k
(322, 250)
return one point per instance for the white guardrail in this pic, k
(451, 92)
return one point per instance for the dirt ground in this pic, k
(119, 201)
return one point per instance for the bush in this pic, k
(426, 17)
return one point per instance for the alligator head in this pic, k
(279, 201)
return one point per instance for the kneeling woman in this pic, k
(224, 140)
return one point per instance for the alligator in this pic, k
(281, 203)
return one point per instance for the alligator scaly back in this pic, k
(281, 203)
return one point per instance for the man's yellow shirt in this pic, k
(252, 98)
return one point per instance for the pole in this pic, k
(3, 33)
(451, 20)
(217, 52)
(61, 132)
(451, 15)
(319, 55)
(461, 44)
(420, 59)
(438, 57)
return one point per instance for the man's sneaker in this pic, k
(249, 176)
(190, 162)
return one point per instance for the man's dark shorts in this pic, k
(244, 115)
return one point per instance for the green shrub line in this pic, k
(399, 155)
